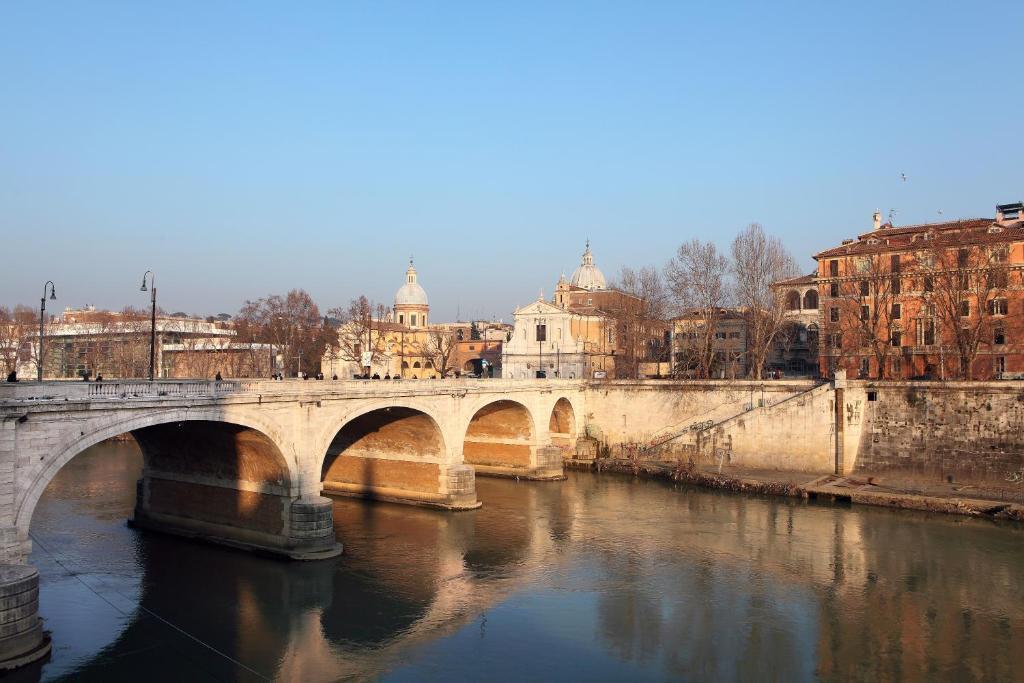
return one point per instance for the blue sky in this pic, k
(241, 149)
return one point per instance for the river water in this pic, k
(601, 577)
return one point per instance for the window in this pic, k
(865, 366)
(897, 311)
(965, 309)
(897, 366)
(542, 332)
(734, 335)
(416, 364)
(833, 289)
(997, 307)
(896, 285)
(963, 257)
(1001, 254)
(864, 288)
(811, 300)
(997, 279)
(719, 335)
(836, 340)
(896, 339)
(401, 319)
(895, 263)
(412, 318)
(929, 283)
(999, 335)
(872, 395)
(833, 268)
(999, 365)
(458, 334)
(863, 264)
(833, 314)
(925, 332)
(865, 313)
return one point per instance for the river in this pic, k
(598, 578)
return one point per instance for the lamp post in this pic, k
(42, 315)
(152, 324)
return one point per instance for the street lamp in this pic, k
(42, 314)
(152, 327)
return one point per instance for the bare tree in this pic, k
(869, 310)
(640, 318)
(359, 331)
(758, 260)
(965, 285)
(439, 349)
(697, 276)
(18, 327)
(292, 323)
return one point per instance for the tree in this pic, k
(439, 349)
(640, 318)
(356, 331)
(293, 324)
(758, 260)
(965, 288)
(869, 313)
(18, 327)
(697, 277)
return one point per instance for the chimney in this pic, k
(877, 217)
(1009, 212)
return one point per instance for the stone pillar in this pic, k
(22, 639)
(461, 487)
(274, 524)
(311, 529)
(547, 464)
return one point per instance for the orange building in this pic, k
(937, 300)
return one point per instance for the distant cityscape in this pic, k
(937, 300)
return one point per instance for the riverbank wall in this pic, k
(965, 432)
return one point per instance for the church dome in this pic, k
(410, 294)
(588, 276)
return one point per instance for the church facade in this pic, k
(576, 334)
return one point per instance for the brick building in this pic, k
(937, 300)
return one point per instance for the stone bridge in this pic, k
(246, 462)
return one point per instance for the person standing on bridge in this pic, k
(218, 378)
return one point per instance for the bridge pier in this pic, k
(430, 484)
(512, 459)
(297, 528)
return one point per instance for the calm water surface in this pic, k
(596, 578)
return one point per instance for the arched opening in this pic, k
(394, 453)
(219, 481)
(562, 424)
(500, 435)
(811, 299)
(792, 300)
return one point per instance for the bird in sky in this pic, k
(903, 176)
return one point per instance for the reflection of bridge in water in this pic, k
(245, 462)
(681, 584)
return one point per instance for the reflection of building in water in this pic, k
(682, 584)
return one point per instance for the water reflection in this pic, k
(603, 578)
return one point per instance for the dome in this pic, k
(410, 294)
(588, 276)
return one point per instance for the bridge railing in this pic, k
(124, 389)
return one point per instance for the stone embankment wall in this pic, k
(972, 431)
(770, 424)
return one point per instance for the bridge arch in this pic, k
(562, 427)
(395, 451)
(502, 439)
(261, 435)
